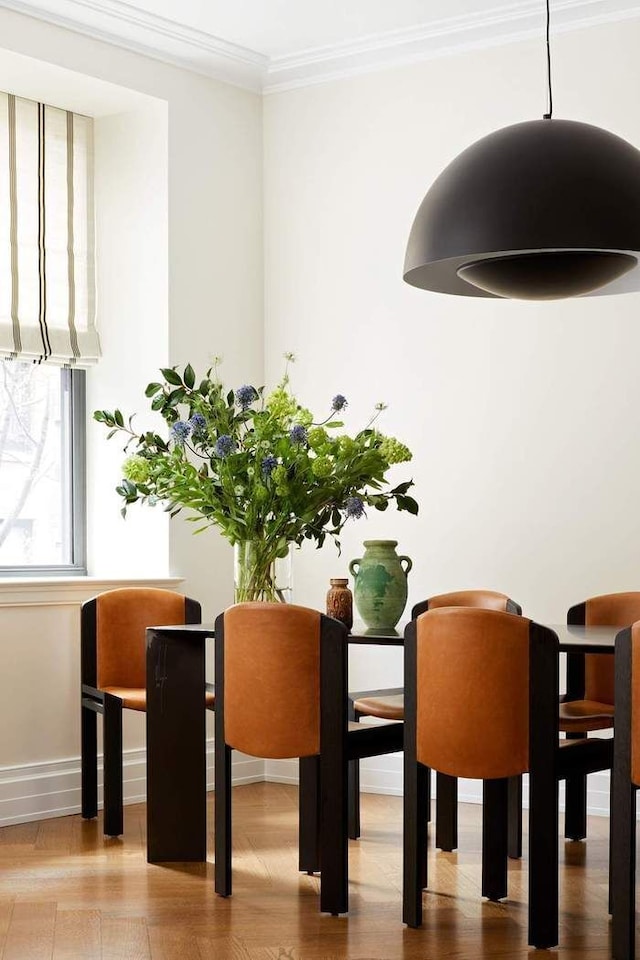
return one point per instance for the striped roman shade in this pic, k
(47, 246)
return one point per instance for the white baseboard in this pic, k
(384, 775)
(40, 791)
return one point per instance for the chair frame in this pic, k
(94, 701)
(623, 810)
(323, 811)
(548, 764)
(575, 805)
(446, 786)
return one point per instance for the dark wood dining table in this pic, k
(176, 733)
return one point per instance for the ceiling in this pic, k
(272, 45)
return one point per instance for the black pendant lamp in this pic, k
(540, 210)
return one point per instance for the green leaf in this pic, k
(407, 503)
(118, 418)
(230, 398)
(171, 376)
(152, 389)
(189, 376)
(158, 402)
(402, 487)
(175, 397)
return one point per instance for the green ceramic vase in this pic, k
(380, 591)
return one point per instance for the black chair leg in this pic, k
(415, 838)
(446, 812)
(223, 838)
(575, 807)
(112, 766)
(495, 830)
(623, 824)
(334, 876)
(514, 817)
(575, 804)
(354, 800)
(354, 785)
(89, 763)
(309, 815)
(612, 783)
(543, 860)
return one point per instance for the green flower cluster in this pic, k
(136, 469)
(258, 468)
(394, 451)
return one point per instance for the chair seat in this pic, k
(135, 698)
(576, 716)
(583, 716)
(387, 708)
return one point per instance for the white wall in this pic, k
(522, 418)
(179, 189)
(131, 188)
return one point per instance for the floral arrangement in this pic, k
(259, 467)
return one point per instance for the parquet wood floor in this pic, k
(67, 893)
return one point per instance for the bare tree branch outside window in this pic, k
(31, 450)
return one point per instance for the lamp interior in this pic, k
(546, 275)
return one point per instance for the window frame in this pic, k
(74, 392)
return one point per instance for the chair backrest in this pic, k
(113, 626)
(472, 678)
(608, 610)
(268, 678)
(486, 599)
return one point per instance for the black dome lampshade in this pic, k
(540, 210)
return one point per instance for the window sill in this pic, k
(70, 591)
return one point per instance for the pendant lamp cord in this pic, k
(549, 114)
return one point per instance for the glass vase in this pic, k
(262, 571)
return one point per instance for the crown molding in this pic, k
(131, 28)
(452, 35)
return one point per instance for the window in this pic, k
(41, 469)
(47, 333)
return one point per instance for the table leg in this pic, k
(176, 758)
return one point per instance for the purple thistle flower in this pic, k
(268, 465)
(197, 423)
(180, 431)
(224, 445)
(298, 434)
(354, 508)
(339, 402)
(245, 396)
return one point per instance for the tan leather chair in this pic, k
(389, 705)
(281, 691)
(113, 671)
(589, 702)
(626, 780)
(494, 730)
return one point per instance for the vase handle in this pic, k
(409, 563)
(352, 568)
